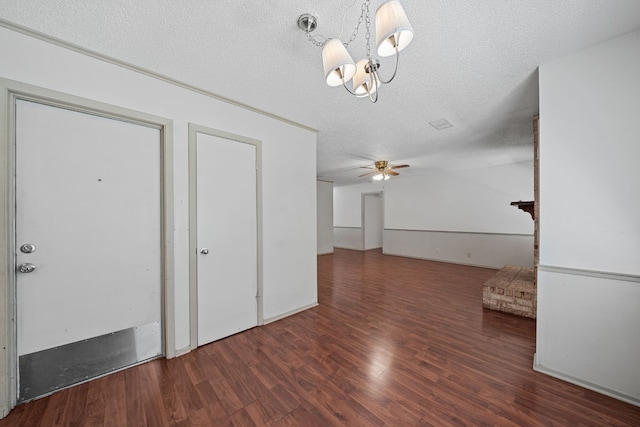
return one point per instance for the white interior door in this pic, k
(88, 200)
(226, 237)
(373, 220)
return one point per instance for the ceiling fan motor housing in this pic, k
(381, 165)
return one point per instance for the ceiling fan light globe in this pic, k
(338, 64)
(386, 177)
(392, 28)
(378, 177)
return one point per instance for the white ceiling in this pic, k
(471, 62)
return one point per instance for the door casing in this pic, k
(194, 130)
(10, 91)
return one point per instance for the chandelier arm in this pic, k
(373, 82)
(348, 90)
(395, 70)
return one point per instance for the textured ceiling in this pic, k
(471, 62)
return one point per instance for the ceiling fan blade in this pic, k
(398, 166)
(390, 172)
(365, 167)
(368, 173)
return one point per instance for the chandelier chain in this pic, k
(368, 34)
(364, 12)
(365, 17)
(313, 40)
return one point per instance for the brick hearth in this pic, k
(511, 290)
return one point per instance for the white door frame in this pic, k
(10, 91)
(362, 214)
(194, 130)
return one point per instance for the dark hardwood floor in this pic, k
(394, 341)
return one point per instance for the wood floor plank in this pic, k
(179, 394)
(223, 388)
(135, 411)
(115, 400)
(95, 406)
(213, 414)
(251, 415)
(35, 415)
(55, 408)
(393, 342)
(152, 402)
(302, 416)
(75, 409)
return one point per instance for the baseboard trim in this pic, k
(487, 233)
(183, 351)
(441, 260)
(349, 249)
(288, 313)
(584, 384)
(186, 350)
(325, 253)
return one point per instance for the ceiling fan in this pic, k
(382, 170)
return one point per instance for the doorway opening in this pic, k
(372, 220)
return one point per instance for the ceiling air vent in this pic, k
(441, 124)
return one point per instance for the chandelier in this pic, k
(393, 33)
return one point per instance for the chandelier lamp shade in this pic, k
(393, 30)
(363, 85)
(338, 65)
(393, 33)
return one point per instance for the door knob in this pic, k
(27, 267)
(204, 251)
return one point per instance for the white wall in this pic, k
(479, 249)
(463, 217)
(347, 203)
(347, 214)
(474, 200)
(589, 284)
(289, 205)
(373, 220)
(325, 217)
(348, 238)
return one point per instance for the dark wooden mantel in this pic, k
(526, 206)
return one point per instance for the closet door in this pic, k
(227, 255)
